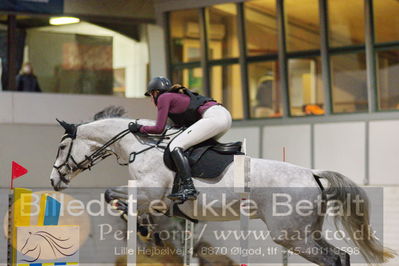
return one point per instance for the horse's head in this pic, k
(30, 246)
(84, 145)
(70, 159)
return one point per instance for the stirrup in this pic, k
(183, 195)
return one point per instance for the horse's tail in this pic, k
(355, 220)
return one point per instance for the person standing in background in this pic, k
(26, 80)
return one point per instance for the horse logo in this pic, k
(44, 245)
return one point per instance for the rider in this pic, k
(202, 116)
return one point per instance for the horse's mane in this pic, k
(110, 112)
(118, 112)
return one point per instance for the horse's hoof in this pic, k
(143, 231)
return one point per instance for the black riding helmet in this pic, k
(161, 84)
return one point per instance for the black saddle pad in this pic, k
(207, 159)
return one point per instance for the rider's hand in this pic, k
(134, 127)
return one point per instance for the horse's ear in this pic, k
(70, 129)
(61, 122)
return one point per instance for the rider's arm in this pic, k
(163, 105)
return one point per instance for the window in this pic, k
(346, 22)
(388, 79)
(264, 91)
(185, 36)
(386, 20)
(305, 86)
(83, 58)
(261, 27)
(222, 31)
(349, 81)
(226, 88)
(190, 78)
(185, 45)
(345, 55)
(302, 25)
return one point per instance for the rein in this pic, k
(102, 153)
(133, 155)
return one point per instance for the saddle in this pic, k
(207, 159)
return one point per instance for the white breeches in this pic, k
(215, 122)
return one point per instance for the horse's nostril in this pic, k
(52, 182)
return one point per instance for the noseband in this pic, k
(66, 164)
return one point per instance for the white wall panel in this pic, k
(43, 108)
(295, 139)
(384, 152)
(6, 107)
(251, 134)
(341, 147)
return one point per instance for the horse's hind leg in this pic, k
(314, 252)
(345, 258)
(311, 246)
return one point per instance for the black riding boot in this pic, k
(186, 189)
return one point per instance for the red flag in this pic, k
(17, 171)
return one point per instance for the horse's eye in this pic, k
(62, 147)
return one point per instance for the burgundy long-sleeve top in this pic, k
(170, 102)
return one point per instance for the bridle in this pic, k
(90, 160)
(103, 152)
(66, 163)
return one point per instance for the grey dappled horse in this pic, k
(85, 144)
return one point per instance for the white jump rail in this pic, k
(131, 237)
(242, 164)
(188, 243)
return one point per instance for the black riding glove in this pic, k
(134, 127)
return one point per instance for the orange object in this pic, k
(313, 109)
